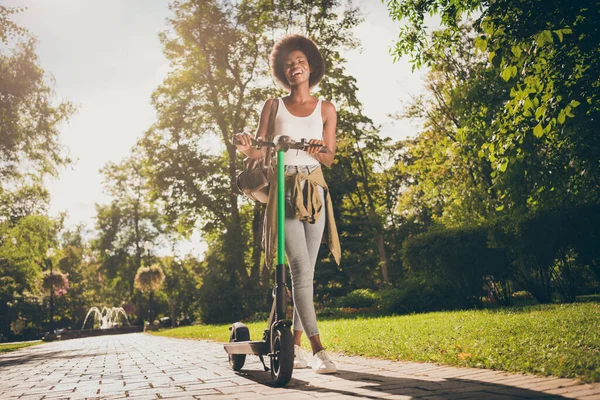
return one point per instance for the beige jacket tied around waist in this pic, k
(309, 211)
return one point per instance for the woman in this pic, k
(298, 66)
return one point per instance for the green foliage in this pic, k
(550, 251)
(22, 200)
(8, 28)
(454, 259)
(446, 180)
(56, 282)
(359, 298)
(21, 259)
(417, 294)
(356, 189)
(547, 252)
(23, 247)
(8, 347)
(218, 51)
(223, 300)
(30, 114)
(541, 142)
(183, 279)
(126, 224)
(219, 80)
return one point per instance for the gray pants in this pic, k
(302, 241)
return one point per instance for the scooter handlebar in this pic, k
(288, 144)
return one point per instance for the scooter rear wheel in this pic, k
(239, 333)
(282, 359)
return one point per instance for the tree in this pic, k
(181, 287)
(149, 279)
(360, 149)
(442, 169)
(8, 28)
(125, 225)
(547, 52)
(217, 50)
(77, 261)
(30, 114)
(23, 247)
(219, 79)
(30, 150)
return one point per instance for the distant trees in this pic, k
(497, 193)
(506, 143)
(220, 78)
(539, 137)
(29, 151)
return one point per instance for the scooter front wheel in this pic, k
(282, 358)
(239, 333)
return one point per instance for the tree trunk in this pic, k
(372, 214)
(140, 308)
(257, 225)
(383, 260)
(150, 305)
(172, 309)
(234, 232)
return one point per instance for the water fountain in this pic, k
(108, 321)
(108, 317)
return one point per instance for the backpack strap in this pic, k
(271, 132)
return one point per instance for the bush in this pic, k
(359, 298)
(551, 253)
(454, 261)
(223, 301)
(522, 295)
(416, 294)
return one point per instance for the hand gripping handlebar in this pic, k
(284, 143)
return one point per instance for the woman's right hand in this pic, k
(244, 141)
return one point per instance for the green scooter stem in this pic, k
(280, 208)
(280, 285)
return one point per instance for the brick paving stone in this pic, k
(594, 396)
(139, 366)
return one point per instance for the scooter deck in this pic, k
(257, 347)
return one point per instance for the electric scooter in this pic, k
(277, 341)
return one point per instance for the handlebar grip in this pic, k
(306, 146)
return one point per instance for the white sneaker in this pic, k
(321, 364)
(299, 359)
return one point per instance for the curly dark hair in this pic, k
(289, 43)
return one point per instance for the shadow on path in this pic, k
(405, 386)
(19, 358)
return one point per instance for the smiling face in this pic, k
(296, 68)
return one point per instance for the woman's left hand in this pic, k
(315, 149)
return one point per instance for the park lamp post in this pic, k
(148, 249)
(49, 255)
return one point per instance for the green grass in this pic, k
(560, 340)
(6, 347)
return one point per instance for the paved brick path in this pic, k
(141, 366)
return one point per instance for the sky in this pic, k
(106, 58)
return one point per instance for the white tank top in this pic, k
(298, 128)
